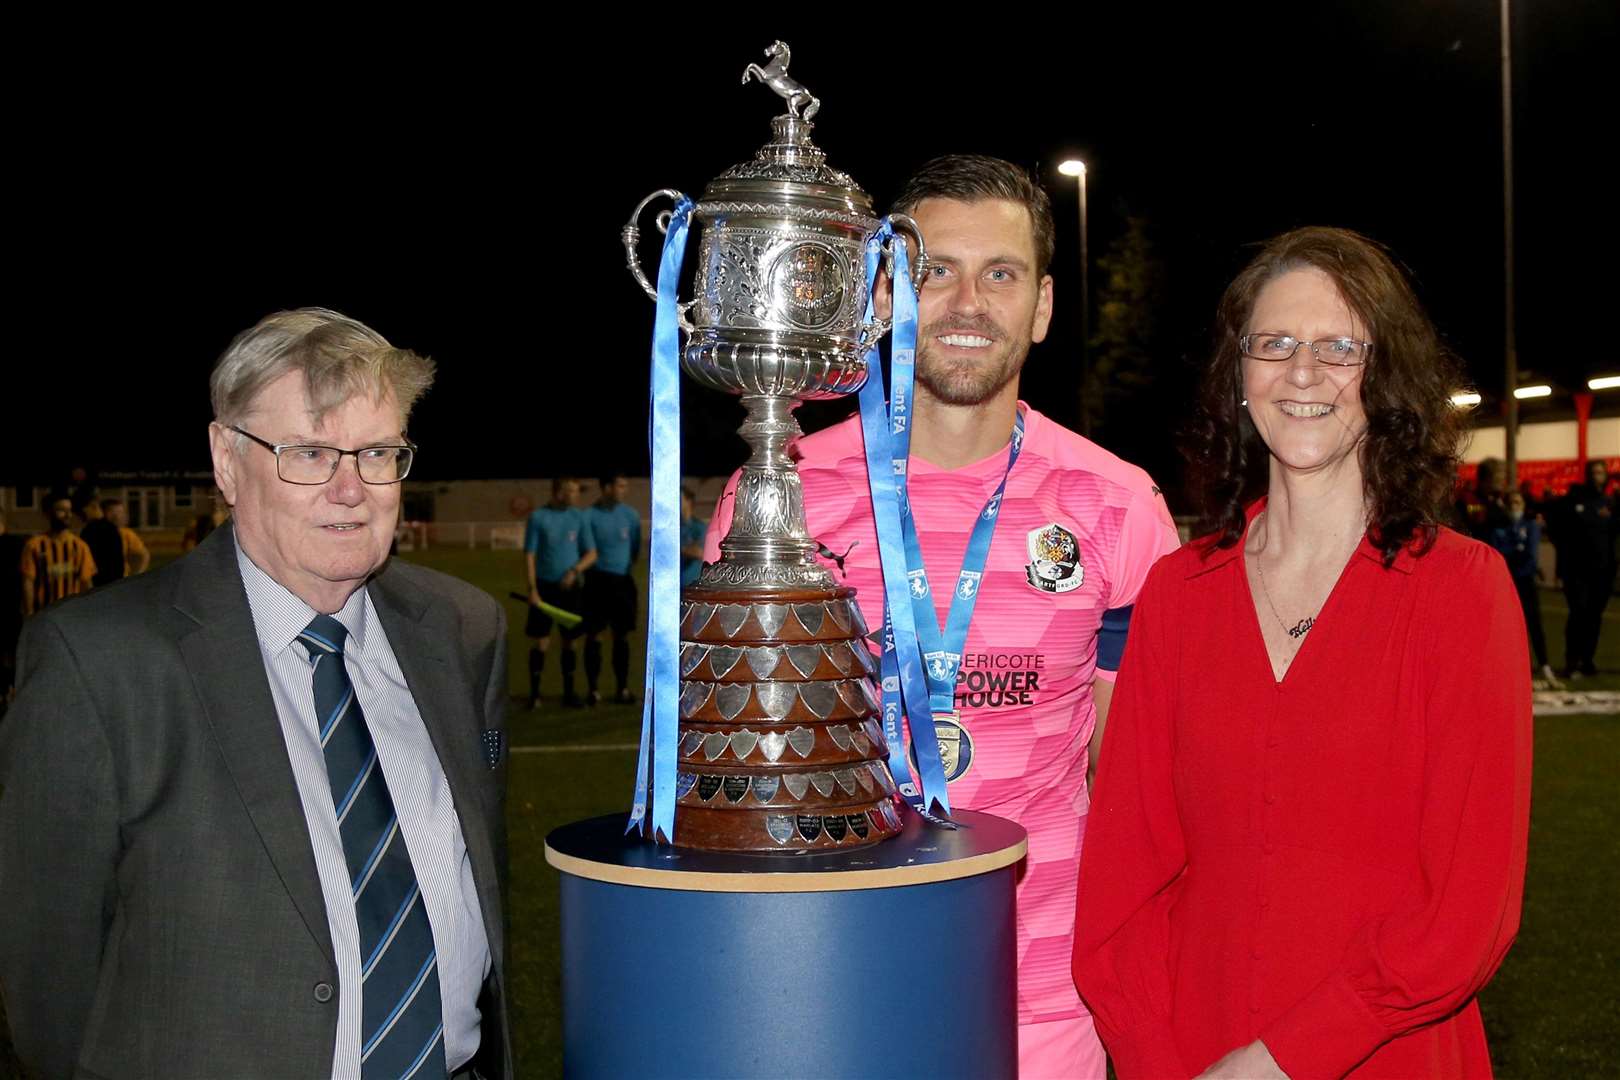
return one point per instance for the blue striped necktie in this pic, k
(402, 1022)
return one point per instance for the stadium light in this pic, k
(1465, 399)
(1076, 168)
(1604, 382)
(1539, 390)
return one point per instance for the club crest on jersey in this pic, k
(955, 747)
(1054, 559)
(919, 582)
(968, 584)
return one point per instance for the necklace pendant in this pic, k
(1302, 627)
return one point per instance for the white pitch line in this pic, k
(582, 749)
(1576, 702)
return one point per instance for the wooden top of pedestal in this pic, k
(598, 849)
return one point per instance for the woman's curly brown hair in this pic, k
(1409, 454)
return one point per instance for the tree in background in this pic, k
(1129, 339)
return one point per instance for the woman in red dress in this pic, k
(1306, 847)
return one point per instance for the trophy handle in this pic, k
(873, 331)
(904, 224)
(631, 235)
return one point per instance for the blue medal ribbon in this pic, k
(919, 666)
(942, 654)
(660, 720)
(886, 427)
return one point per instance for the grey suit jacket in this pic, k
(160, 911)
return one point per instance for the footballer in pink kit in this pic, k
(1077, 530)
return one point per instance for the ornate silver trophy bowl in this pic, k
(780, 747)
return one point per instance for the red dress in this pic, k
(1332, 863)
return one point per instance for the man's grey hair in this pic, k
(339, 357)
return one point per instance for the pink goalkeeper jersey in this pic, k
(1077, 531)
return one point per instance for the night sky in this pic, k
(461, 188)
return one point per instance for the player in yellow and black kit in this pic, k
(55, 564)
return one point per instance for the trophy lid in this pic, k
(789, 167)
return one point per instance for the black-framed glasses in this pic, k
(1335, 352)
(298, 463)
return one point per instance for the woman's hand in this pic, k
(1252, 1062)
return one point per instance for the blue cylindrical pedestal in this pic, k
(895, 960)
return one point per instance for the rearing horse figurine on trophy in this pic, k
(776, 77)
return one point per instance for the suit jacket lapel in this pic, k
(222, 652)
(423, 630)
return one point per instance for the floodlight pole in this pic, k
(1511, 355)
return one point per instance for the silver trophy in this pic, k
(777, 318)
(781, 749)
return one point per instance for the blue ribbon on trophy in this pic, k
(660, 719)
(887, 431)
(920, 664)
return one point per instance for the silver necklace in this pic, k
(1299, 629)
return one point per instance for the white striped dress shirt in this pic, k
(421, 794)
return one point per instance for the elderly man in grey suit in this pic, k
(251, 806)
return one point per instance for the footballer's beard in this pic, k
(967, 380)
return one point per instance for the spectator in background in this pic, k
(81, 487)
(136, 557)
(556, 551)
(11, 549)
(1586, 529)
(1518, 538)
(56, 564)
(614, 530)
(1483, 509)
(1536, 497)
(105, 543)
(199, 529)
(693, 530)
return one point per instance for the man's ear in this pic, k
(1043, 312)
(222, 445)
